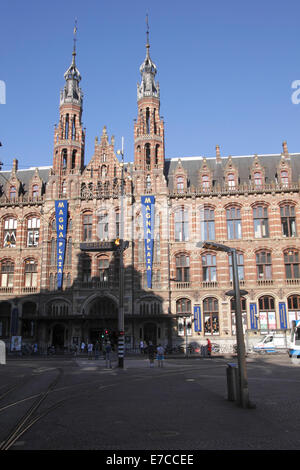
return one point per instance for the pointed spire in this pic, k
(148, 86)
(72, 91)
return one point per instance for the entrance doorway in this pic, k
(58, 337)
(150, 332)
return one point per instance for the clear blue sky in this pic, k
(225, 70)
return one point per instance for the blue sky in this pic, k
(225, 70)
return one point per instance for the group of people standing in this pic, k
(93, 350)
(150, 349)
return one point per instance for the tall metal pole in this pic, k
(243, 380)
(121, 274)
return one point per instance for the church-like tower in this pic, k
(149, 152)
(69, 135)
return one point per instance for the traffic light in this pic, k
(121, 333)
(106, 332)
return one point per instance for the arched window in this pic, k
(209, 267)
(261, 221)
(293, 308)
(147, 154)
(288, 220)
(10, 232)
(103, 269)
(64, 155)
(87, 227)
(102, 226)
(234, 223)
(67, 127)
(264, 265)
(240, 264)
(156, 154)
(207, 223)
(86, 268)
(147, 121)
(30, 279)
(33, 231)
(181, 219)
(74, 127)
(291, 263)
(211, 316)
(182, 267)
(267, 315)
(7, 273)
(74, 159)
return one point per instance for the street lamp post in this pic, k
(243, 381)
(121, 267)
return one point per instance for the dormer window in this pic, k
(205, 182)
(13, 193)
(231, 181)
(284, 177)
(180, 184)
(35, 191)
(257, 178)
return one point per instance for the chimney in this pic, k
(15, 165)
(285, 149)
(218, 155)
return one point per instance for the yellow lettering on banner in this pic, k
(149, 268)
(61, 220)
(148, 222)
(59, 271)
(61, 235)
(60, 243)
(61, 204)
(147, 200)
(61, 212)
(148, 208)
(60, 227)
(148, 216)
(148, 230)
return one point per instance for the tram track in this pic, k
(30, 418)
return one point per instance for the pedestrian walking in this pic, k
(142, 347)
(90, 350)
(208, 347)
(97, 350)
(107, 349)
(151, 352)
(160, 355)
(82, 347)
(35, 348)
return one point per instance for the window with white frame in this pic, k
(33, 231)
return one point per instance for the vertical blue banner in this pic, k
(253, 317)
(282, 315)
(197, 318)
(148, 203)
(61, 214)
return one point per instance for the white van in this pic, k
(294, 350)
(271, 343)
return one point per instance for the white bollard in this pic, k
(2, 352)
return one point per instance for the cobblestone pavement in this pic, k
(180, 406)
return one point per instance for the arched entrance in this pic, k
(102, 317)
(58, 336)
(150, 332)
(5, 312)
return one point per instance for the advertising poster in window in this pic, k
(16, 343)
(263, 318)
(148, 203)
(61, 214)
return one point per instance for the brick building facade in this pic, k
(248, 202)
